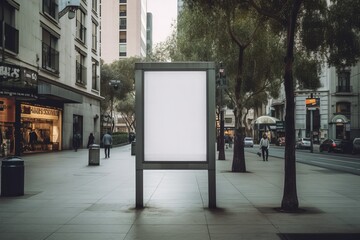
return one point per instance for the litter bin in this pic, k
(94, 154)
(12, 177)
(133, 145)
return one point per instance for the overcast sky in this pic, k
(164, 15)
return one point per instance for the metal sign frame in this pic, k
(141, 163)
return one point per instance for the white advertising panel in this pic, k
(175, 116)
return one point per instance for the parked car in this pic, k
(335, 145)
(356, 146)
(303, 143)
(248, 142)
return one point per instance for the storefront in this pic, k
(40, 128)
(7, 124)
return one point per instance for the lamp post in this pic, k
(114, 84)
(221, 83)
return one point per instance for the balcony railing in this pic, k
(11, 38)
(50, 58)
(344, 89)
(80, 74)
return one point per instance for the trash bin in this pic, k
(12, 177)
(94, 154)
(133, 145)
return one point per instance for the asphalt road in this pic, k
(334, 161)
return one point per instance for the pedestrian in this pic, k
(33, 139)
(90, 140)
(107, 141)
(264, 146)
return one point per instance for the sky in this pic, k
(164, 15)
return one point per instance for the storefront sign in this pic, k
(17, 81)
(39, 112)
(312, 103)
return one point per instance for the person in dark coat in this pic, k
(90, 140)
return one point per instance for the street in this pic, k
(333, 161)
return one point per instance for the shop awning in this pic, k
(266, 120)
(339, 119)
(58, 93)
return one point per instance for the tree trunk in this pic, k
(290, 200)
(238, 164)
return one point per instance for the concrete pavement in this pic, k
(67, 199)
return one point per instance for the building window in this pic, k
(122, 23)
(11, 33)
(122, 36)
(344, 82)
(95, 84)
(51, 8)
(80, 69)
(343, 108)
(122, 10)
(80, 25)
(94, 36)
(95, 5)
(122, 1)
(50, 56)
(122, 49)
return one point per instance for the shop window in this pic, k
(80, 26)
(80, 69)
(51, 8)
(50, 56)
(7, 14)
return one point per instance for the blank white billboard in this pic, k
(175, 110)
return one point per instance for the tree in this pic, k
(123, 70)
(229, 32)
(310, 30)
(326, 31)
(126, 107)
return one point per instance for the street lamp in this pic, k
(115, 84)
(221, 84)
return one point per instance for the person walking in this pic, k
(264, 146)
(90, 140)
(107, 141)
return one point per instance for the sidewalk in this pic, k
(65, 199)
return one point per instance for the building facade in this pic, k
(109, 31)
(337, 113)
(49, 87)
(131, 30)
